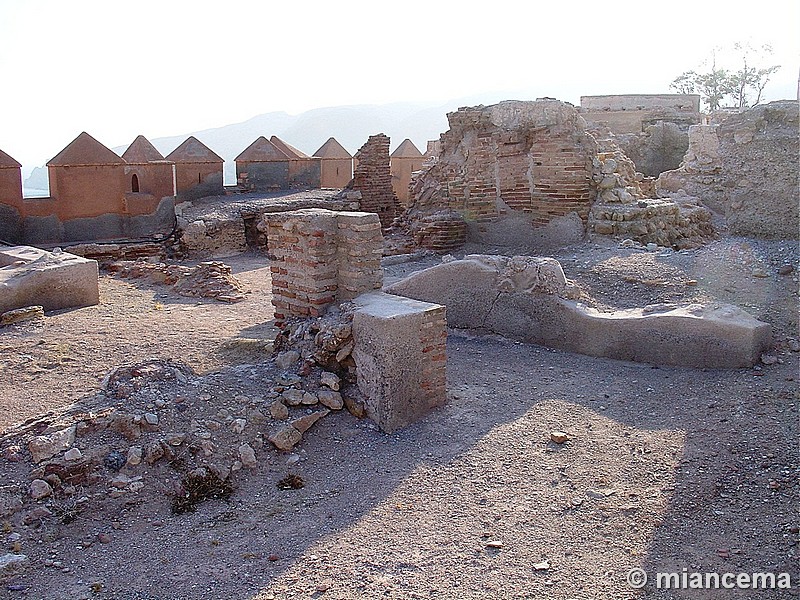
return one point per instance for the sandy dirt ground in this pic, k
(666, 469)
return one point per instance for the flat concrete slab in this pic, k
(31, 276)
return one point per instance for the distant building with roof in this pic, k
(91, 197)
(198, 170)
(304, 170)
(403, 162)
(149, 174)
(11, 203)
(336, 164)
(263, 167)
(87, 179)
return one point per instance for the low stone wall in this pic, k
(50, 230)
(680, 221)
(530, 299)
(622, 210)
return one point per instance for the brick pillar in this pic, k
(372, 177)
(319, 257)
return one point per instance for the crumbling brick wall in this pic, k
(321, 256)
(531, 157)
(372, 177)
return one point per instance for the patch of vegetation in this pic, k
(291, 482)
(198, 486)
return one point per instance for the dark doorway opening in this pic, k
(252, 236)
(135, 183)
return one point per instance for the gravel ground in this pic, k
(665, 468)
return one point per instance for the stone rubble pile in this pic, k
(622, 210)
(157, 422)
(211, 279)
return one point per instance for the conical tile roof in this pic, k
(6, 162)
(290, 151)
(85, 150)
(262, 150)
(141, 151)
(193, 151)
(407, 150)
(332, 149)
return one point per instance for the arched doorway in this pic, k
(135, 183)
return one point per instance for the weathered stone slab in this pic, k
(479, 294)
(30, 276)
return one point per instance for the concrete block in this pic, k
(30, 276)
(399, 351)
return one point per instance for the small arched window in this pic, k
(135, 183)
(199, 178)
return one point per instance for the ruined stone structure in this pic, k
(403, 162)
(262, 167)
(530, 157)
(398, 345)
(198, 170)
(623, 209)
(511, 168)
(652, 129)
(336, 164)
(320, 256)
(373, 180)
(746, 169)
(304, 170)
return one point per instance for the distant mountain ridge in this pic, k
(351, 125)
(308, 131)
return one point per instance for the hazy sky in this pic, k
(117, 69)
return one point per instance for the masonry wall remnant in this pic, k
(745, 168)
(516, 166)
(530, 157)
(623, 209)
(372, 178)
(632, 113)
(319, 257)
(652, 129)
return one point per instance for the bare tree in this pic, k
(719, 87)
